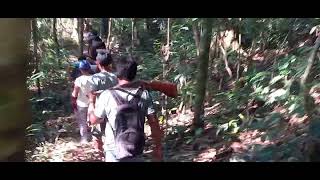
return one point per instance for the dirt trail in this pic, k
(62, 141)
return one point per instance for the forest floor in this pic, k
(281, 141)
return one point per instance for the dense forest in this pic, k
(247, 87)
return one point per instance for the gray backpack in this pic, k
(129, 125)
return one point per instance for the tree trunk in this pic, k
(55, 38)
(305, 80)
(148, 22)
(134, 33)
(109, 33)
(196, 35)
(205, 39)
(104, 28)
(15, 115)
(225, 58)
(312, 147)
(35, 51)
(80, 30)
(165, 66)
(239, 50)
(54, 30)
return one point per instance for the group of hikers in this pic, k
(110, 107)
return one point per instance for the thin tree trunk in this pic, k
(239, 55)
(225, 58)
(202, 76)
(134, 33)
(104, 28)
(55, 38)
(54, 31)
(196, 35)
(213, 44)
(80, 33)
(15, 114)
(35, 52)
(109, 33)
(166, 53)
(305, 79)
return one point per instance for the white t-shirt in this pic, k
(103, 80)
(83, 97)
(106, 107)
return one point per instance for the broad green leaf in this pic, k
(276, 79)
(265, 90)
(292, 107)
(241, 116)
(233, 123)
(284, 66)
(276, 94)
(184, 28)
(259, 76)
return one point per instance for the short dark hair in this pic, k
(126, 68)
(94, 32)
(104, 58)
(83, 57)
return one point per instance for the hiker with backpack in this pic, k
(80, 99)
(124, 108)
(101, 81)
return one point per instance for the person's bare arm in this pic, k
(156, 134)
(92, 102)
(94, 119)
(74, 97)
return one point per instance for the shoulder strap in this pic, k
(120, 100)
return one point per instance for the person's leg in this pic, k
(82, 122)
(97, 137)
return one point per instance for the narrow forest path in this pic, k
(283, 142)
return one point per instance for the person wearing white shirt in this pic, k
(80, 99)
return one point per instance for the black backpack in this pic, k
(129, 125)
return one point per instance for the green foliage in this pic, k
(276, 86)
(52, 76)
(231, 127)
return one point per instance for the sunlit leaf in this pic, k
(276, 79)
(241, 116)
(278, 94)
(313, 29)
(184, 28)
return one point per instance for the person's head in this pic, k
(84, 67)
(104, 60)
(81, 58)
(93, 35)
(126, 68)
(94, 32)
